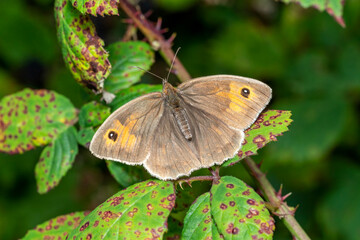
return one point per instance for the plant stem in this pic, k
(154, 35)
(280, 207)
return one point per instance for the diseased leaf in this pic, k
(98, 7)
(84, 136)
(33, 118)
(125, 57)
(126, 95)
(137, 212)
(238, 211)
(198, 223)
(266, 128)
(56, 228)
(55, 160)
(126, 175)
(93, 114)
(333, 7)
(81, 47)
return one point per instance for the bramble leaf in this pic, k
(265, 129)
(98, 7)
(84, 136)
(333, 7)
(139, 211)
(93, 114)
(131, 93)
(56, 228)
(126, 175)
(198, 223)
(125, 57)
(55, 160)
(238, 211)
(81, 47)
(31, 118)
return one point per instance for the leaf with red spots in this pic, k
(137, 212)
(198, 223)
(57, 228)
(266, 128)
(97, 7)
(238, 211)
(33, 118)
(126, 175)
(93, 114)
(332, 7)
(131, 93)
(82, 48)
(84, 136)
(125, 57)
(55, 160)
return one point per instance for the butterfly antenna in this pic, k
(172, 64)
(150, 73)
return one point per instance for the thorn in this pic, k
(188, 182)
(260, 163)
(180, 184)
(171, 38)
(158, 24)
(148, 13)
(279, 193)
(285, 196)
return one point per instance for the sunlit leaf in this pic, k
(93, 114)
(55, 160)
(139, 211)
(33, 118)
(125, 57)
(239, 212)
(333, 7)
(81, 47)
(198, 223)
(266, 128)
(57, 228)
(98, 7)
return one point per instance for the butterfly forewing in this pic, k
(237, 101)
(126, 134)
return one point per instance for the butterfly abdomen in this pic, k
(183, 123)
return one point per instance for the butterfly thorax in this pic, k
(172, 99)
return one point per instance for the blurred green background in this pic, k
(311, 63)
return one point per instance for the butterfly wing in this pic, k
(126, 134)
(237, 101)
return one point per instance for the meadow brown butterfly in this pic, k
(179, 130)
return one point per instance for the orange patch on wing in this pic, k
(237, 102)
(125, 138)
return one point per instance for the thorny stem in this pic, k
(280, 208)
(155, 37)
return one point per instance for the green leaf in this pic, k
(125, 57)
(126, 95)
(239, 212)
(56, 228)
(126, 175)
(98, 7)
(81, 47)
(55, 160)
(84, 136)
(198, 223)
(333, 7)
(33, 118)
(93, 114)
(137, 212)
(266, 128)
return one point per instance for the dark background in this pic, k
(311, 63)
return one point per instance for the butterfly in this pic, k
(174, 132)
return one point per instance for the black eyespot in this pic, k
(113, 135)
(245, 92)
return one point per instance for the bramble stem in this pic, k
(156, 39)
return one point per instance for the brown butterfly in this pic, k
(179, 130)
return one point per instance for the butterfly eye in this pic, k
(245, 92)
(112, 135)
